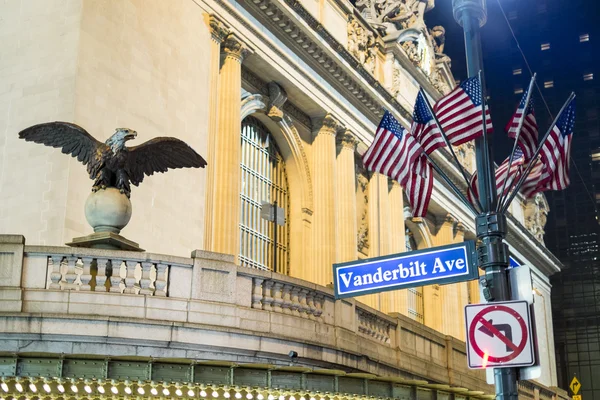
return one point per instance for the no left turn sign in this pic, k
(499, 335)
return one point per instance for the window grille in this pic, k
(414, 295)
(263, 179)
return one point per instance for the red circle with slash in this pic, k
(517, 349)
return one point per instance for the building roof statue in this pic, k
(389, 16)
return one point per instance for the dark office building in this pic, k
(560, 41)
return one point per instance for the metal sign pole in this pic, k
(491, 226)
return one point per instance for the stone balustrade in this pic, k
(107, 302)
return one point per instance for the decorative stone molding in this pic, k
(218, 30)
(347, 140)
(278, 97)
(327, 125)
(234, 48)
(361, 44)
(536, 213)
(389, 16)
(466, 156)
(362, 208)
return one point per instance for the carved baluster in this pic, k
(56, 275)
(71, 274)
(145, 281)
(162, 274)
(310, 301)
(115, 276)
(101, 275)
(296, 306)
(319, 300)
(268, 295)
(86, 276)
(286, 299)
(304, 309)
(277, 297)
(257, 292)
(131, 286)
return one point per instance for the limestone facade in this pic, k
(194, 69)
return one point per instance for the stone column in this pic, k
(345, 192)
(397, 300)
(449, 293)
(379, 230)
(226, 199)
(218, 33)
(324, 206)
(463, 287)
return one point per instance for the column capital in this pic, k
(460, 227)
(449, 219)
(327, 125)
(234, 48)
(218, 30)
(347, 140)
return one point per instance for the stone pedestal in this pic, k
(107, 211)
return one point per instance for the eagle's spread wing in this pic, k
(158, 155)
(71, 138)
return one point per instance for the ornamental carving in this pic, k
(390, 16)
(536, 214)
(234, 48)
(466, 156)
(218, 30)
(361, 44)
(362, 209)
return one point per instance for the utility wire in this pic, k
(543, 98)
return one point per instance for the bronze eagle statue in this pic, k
(112, 164)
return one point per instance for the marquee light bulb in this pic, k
(202, 393)
(60, 388)
(192, 394)
(4, 386)
(226, 395)
(271, 397)
(32, 387)
(249, 396)
(74, 389)
(87, 388)
(166, 392)
(19, 387)
(141, 390)
(238, 395)
(260, 396)
(47, 388)
(154, 391)
(114, 390)
(282, 397)
(178, 392)
(292, 398)
(101, 389)
(215, 394)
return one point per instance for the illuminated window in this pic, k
(518, 90)
(588, 77)
(584, 38)
(548, 84)
(545, 46)
(263, 180)
(596, 156)
(517, 71)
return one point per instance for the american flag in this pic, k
(528, 139)
(516, 168)
(396, 153)
(419, 187)
(424, 128)
(460, 115)
(556, 150)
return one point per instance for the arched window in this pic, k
(415, 295)
(263, 180)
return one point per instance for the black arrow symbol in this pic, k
(500, 327)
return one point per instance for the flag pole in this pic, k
(490, 182)
(537, 152)
(512, 153)
(460, 167)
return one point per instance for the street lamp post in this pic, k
(491, 226)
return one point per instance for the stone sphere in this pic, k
(108, 210)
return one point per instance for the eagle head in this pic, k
(117, 141)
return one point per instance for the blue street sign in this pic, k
(513, 262)
(438, 265)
